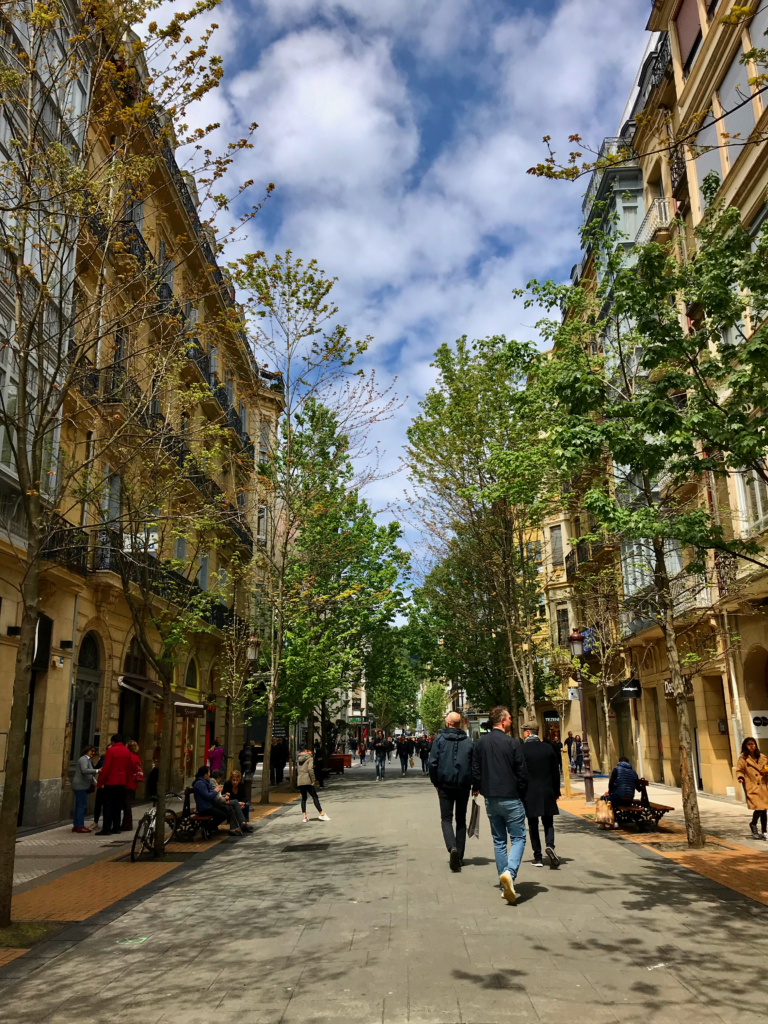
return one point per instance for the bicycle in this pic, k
(144, 837)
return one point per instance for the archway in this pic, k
(86, 696)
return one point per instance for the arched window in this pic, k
(191, 676)
(85, 696)
(135, 663)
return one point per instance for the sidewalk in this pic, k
(359, 919)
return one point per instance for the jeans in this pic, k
(381, 764)
(548, 823)
(81, 799)
(506, 816)
(362, 757)
(579, 763)
(404, 763)
(309, 791)
(425, 764)
(451, 798)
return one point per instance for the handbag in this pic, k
(410, 761)
(604, 814)
(474, 820)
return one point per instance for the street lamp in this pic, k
(576, 645)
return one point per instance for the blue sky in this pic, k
(398, 133)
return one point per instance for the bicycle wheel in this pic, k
(171, 821)
(139, 843)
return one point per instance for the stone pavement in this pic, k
(360, 920)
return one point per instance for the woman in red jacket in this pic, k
(135, 775)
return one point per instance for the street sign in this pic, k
(356, 720)
(759, 721)
(573, 693)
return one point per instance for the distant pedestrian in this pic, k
(402, 752)
(306, 782)
(390, 747)
(247, 758)
(450, 770)
(499, 772)
(578, 755)
(113, 778)
(542, 794)
(424, 747)
(318, 764)
(569, 744)
(622, 784)
(361, 753)
(216, 756)
(134, 776)
(557, 745)
(380, 749)
(83, 781)
(752, 773)
(98, 803)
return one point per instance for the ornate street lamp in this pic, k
(576, 646)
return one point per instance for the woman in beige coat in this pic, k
(306, 783)
(752, 773)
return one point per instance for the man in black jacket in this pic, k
(402, 752)
(500, 774)
(450, 770)
(542, 794)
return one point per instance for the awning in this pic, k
(185, 707)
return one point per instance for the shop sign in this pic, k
(669, 691)
(759, 720)
(551, 716)
(278, 729)
(630, 690)
(189, 710)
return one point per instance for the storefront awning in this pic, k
(185, 707)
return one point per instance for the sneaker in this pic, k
(538, 863)
(554, 860)
(322, 816)
(455, 860)
(508, 887)
(304, 820)
(753, 830)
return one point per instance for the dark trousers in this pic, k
(404, 763)
(98, 805)
(309, 791)
(425, 764)
(548, 822)
(128, 802)
(114, 801)
(762, 818)
(454, 801)
(225, 812)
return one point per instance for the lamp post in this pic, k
(576, 645)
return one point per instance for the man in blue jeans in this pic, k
(499, 772)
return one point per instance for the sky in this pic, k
(398, 134)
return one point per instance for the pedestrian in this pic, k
(134, 776)
(542, 794)
(402, 752)
(361, 752)
(234, 790)
(752, 773)
(411, 749)
(380, 749)
(557, 745)
(500, 774)
(83, 783)
(578, 748)
(98, 803)
(114, 775)
(569, 747)
(246, 757)
(209, 801)
(424, 747)
(306, 783)
(450, 771)
(216, 756)
(622, 784)
(390, 748)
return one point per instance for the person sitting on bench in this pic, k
(208, 801)
(622, 784)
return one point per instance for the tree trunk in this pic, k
(607, 717)
(513, 703)
(268, 739)
(164, 768)
(9, 811)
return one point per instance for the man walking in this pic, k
(402, 752)
(450, 770)
(542, 794)
(424, 747)
(113, 779)
(380, 754)
(500, 774)
(569, 746)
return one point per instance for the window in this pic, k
(213, 355)
(190, 679)
(688, 28)
(110, 499)
(556, 542)
(134, 212)
(229, 387)
(166, 265)
(563, 631)
(180, 549)
(264, 441)
(135, 663)
(739, 117)
(758, 28)
(709, 161)
(202, 572)
(533, 551)
(261, 525)
(753, 499)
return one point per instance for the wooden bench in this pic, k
(190, 821)
(642, 812)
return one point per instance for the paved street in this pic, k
(360, 920)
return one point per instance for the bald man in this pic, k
(450, 770)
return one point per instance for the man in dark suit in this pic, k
(542, 794)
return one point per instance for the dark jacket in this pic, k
(623, 781)
(411, 747)
(247, 756)
(450, 760)
(543, 778)
(498, 766)
(402, 747)
(205, 794)
(424, 748)
(228, 788)
(380, 747)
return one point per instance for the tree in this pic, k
(433, 707)
(90, 130)
(391, 684)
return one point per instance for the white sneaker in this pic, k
(323, 817)
(304, 820)
(508, 887)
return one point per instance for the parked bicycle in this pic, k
(144, 838)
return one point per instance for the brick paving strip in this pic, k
(83, 892)
(737, 867)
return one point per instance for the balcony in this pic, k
(239, 527)
(67, 545)
(658, 219)
(570, 565)
(119, 388)
(677, 168)
(653, 72)
(616, 155)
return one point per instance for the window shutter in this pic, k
(688, 29)
(556, 540)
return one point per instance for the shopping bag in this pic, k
(474, 820)
(411, 761)
(604, 813)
